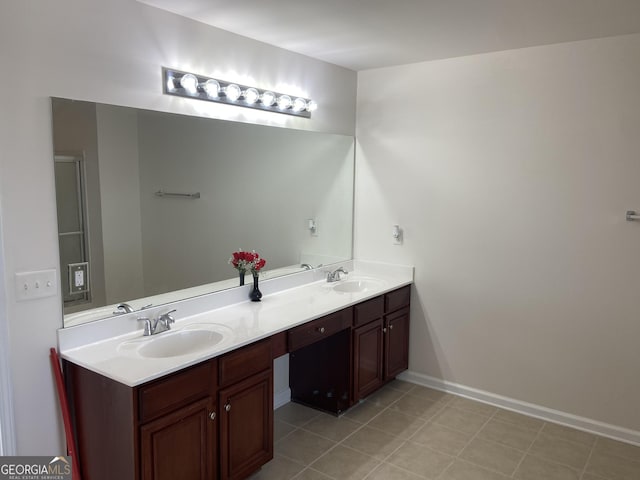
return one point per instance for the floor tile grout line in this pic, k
(384, 462)
(336, 444)
(286, 435)
(441, 406)
(387, 407)
(635, 460)
(297, 475)
(448, 404)
(586, 464)
(333, 448)
(403, 440)
(562, 439)
(553, 461)
(528, 450)
(473, 437)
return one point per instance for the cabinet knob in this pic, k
(321, 329)
(390, 327)
(227, 407)
(384, 330)
(212, 415)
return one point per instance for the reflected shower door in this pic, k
(72, 233)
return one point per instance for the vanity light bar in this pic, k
(184, 84)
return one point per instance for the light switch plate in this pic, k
(31, 285)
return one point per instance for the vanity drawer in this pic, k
(319, 329)
(279, 344)
(397, 299)
(368, 311)
(165, 395)
(246, 361)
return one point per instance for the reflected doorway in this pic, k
(72, 231)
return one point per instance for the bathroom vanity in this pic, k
(213, 418)
(217, 415)
(339, 359)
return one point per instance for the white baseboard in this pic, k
(281, 398)
(581, 423)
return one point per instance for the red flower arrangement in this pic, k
(243, 261)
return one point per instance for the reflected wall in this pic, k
(258, 187)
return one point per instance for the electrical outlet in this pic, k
(312, 225)
(396, 234)
(78, 277)
(31, 285)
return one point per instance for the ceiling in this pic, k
(364, 34)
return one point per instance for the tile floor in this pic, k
(409, 432)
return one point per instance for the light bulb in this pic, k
(233, 92)
(251, 95)
(171, 86)
(189, 82)
(299, 104)
(284, 102)
(211, 87)
(268, 98)
(312, 106)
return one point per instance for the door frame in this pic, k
(7, 426)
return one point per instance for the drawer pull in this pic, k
(321, 329)
(227, 407)
(212, 415)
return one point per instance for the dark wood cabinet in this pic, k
(214, 420)
(396, 343)
(246, 410)
(163, 429)
(320, 362)
(181, 444)
(339, 359)
(380, 341)
(368, 348)
(174, 427)
(246, 426)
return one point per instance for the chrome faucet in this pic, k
(159, 325)
(123, 308)
(308, 266)
(335, 275)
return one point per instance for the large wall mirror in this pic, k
(124, 237)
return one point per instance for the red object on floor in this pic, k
(64, 407)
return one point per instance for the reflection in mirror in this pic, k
(258, 188)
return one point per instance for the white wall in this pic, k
(109, 52)
(247, 176)
(120, 199)
(511, 173)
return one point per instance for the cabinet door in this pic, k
(368, 346)
(181, 444)
(246, 426)
(396, 343)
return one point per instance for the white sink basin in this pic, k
(173, 344)
(357, 285)
(177, 342)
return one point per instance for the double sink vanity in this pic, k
(196, 401)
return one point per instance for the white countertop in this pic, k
(242, 323)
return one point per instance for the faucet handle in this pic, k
(147, 325)
(167, 318)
